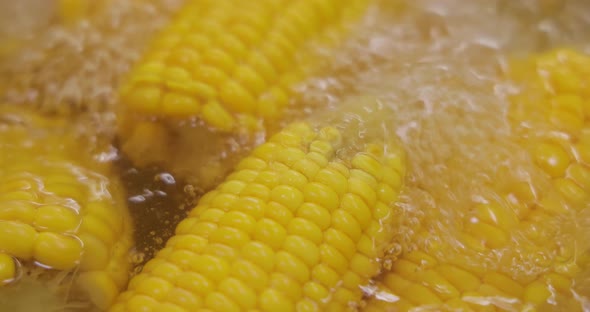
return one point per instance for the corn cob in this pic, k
(295, 227)
(549, 117)
(229, 65)
(57, 214)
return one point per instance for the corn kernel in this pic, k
(57, 251)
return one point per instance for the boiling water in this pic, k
(433, 71)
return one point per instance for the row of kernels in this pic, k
(281, 230)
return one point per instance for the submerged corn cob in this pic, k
(230, 65)
(551, 117)
(58, 213)
(295, 227)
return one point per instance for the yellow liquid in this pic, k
(434, 72)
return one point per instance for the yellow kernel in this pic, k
(316, 214)
(571, 191)
(100, 288)
(357, 207)
(250, 79)
(219, 302)
(325, 275)
(17, 239)
(195, 283)
(492, 236)
(177, 104)
(365, 177)
(307, 305)
(229, 236)
(294, 179)
(236, 98)
(569, 102)
(287, 285)
(316, 291)
(256, 190)
(303, 248)
(220, 251)
(238, 220)
(230, 43)
(289, 155)
(580, 174)
(322, 195)
(96, 254)
(169, 307)
(273, 300)
(361, 188)
(154, 287)
(224, 202)
(332, 257)
(305, 228)
(94, 226)
(7, 268)
(184, 299)
(184, 57)
(366, 246)
(203, 229)
(421, 259)
(181, 258)
(219, 59)
(505, 283)
(252, 206)
(536, 292)
(341, 242)
(57, 251)
(307, 167)
(270, 232)
(141, 303)
(262, 65)
(145, 99)
(24, 212)
(106, 213)
(277, 57)
(26, 196)
(279, 213)
(496, 214)
(292, 266)
(163, 269)
(189, 242)
(287, 196)
(244, 296)
(566, 121)
(244, 175)
(211, 76)
(583, 152)
(215, 115)
(552, 158)
(347, 296)
(250, 273)
(333, 179)
(461, 279)
(369, 164)
(559, 282)
(345, 222)
(363, 266)
(211, 215)
(213, 268)
(259, 254)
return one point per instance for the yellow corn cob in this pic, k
(231, 66)
(295, 227)
(550, 116)
(57, 214)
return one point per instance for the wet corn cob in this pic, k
(298, 226)
(551, 117)
(58, 214)
(230, 65)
